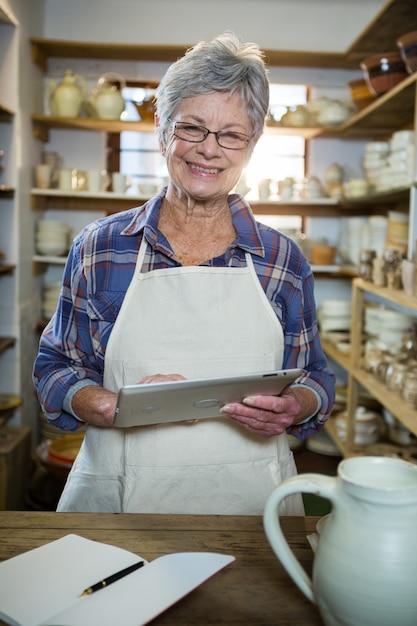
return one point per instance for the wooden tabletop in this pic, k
(255, 589)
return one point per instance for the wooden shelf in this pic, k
(6, 114)
(106, 202)
(331, 430)
(42, 49)
(396, 296)
(6, 268)
(395, 18)
(381, 198)
(391, 111)
(339, 357)
(6, 192)
(109, 202)
(6, 342)
(43, 123)
(389, 399)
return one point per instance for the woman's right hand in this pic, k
(95, 405)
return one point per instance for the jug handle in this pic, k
(116, 76)
(318, 484)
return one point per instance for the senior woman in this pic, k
(188, 285)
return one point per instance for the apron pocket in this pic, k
(216, 489)
(85, 493)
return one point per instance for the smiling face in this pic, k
(205, 171)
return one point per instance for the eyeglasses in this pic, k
(228, 139)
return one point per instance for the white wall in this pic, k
(325, 25)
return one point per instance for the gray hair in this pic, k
(225, 64)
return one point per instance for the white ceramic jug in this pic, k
(67, 97)
(106, 100)
(365, 565)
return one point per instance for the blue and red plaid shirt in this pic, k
(98, 272)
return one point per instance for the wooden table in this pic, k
(255, 589)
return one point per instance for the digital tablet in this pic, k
(173, 401)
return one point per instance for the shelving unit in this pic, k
(392, 111)
(42, 199)
(359, 377)
(9, 331)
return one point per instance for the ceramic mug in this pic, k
(65, 180)
(94, 181)
(119, 182)
(43, 176)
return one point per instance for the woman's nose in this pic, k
(209, 145)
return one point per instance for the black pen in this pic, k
(112, 579)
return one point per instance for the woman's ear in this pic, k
(161, 146)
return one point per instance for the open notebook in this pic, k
(43, 587)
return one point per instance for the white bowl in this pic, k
(51, 249)
(148, 189)
(379, 148)
(52, 225)
(336, 307)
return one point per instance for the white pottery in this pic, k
(365, 566)
(334, 113)
(297, 116)
(106, 100)
(67, 97)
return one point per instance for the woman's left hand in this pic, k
(266, 416)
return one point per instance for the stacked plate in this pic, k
(376, 234)
(368, 426)
(352, 232)
(389, 165)
(334, 319)
(386, 328)
(52, 238)
(375, 158)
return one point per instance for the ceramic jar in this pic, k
(409, 388)
(367, 426)
(365, 565)
(106, 100)
(365, 269)
(394, 376)
(67, 98)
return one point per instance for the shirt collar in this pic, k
(247, 231)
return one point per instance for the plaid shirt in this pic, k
(97, 275)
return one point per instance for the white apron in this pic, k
(199, 322)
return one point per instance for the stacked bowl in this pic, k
(360, 93)
(386, 328)
(390, 164)
(334, 317)
(400, 167)
(375, 159)
(50, 298)
(383, 71)
(52, 238)
(407, 45)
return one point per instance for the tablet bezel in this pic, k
(173, 401)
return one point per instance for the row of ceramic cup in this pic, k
(93, 180)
